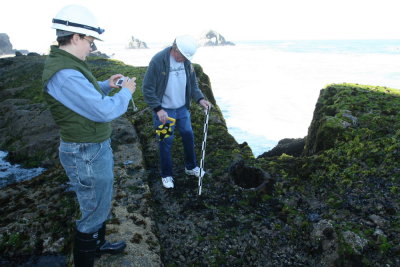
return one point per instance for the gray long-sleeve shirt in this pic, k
(156, 80)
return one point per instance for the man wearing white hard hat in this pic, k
(169, 85)
(82, 109)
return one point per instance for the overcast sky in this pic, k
(28, 22)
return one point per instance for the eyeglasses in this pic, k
(91, 43)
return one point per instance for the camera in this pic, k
(120, 81)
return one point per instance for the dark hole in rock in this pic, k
(247, 177)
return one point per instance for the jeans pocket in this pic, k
(90, 151)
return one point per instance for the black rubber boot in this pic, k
(104, 246)
(84, 249)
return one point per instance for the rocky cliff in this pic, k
(334, 204)
(5, 44)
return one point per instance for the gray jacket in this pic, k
(156, 79)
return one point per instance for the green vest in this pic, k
(73, 127)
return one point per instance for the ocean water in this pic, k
(11, 173)
(267, 90)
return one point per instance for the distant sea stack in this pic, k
(5, 44)
(6, 48)
(136, 44)
(213, 38)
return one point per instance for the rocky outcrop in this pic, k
(32, 54)
(213, 38)
(5, 44)
(135, 43)
(29, 129)
(6, 47)
(98, 54)
(336, 116)
(289, 146)
(25, 126)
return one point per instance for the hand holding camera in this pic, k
(129, 83)
(120, 81)
(126, 82)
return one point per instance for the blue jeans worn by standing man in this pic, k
(89, 167)
(184, 126)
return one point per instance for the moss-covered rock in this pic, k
(349, 172)
(347, 110)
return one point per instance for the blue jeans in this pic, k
(89, 167)
(184, 126)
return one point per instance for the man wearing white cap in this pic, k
(169, 85)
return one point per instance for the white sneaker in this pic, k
(168, 182)
(194, 172)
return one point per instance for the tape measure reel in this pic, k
(165, 130)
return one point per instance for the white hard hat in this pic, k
(77, 19)
(187, 45)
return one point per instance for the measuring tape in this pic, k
(165, 130)
(203, 150)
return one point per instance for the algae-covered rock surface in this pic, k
(334, 204)
(344, 190)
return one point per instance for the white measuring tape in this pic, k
(203, 150)
(134, 106)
